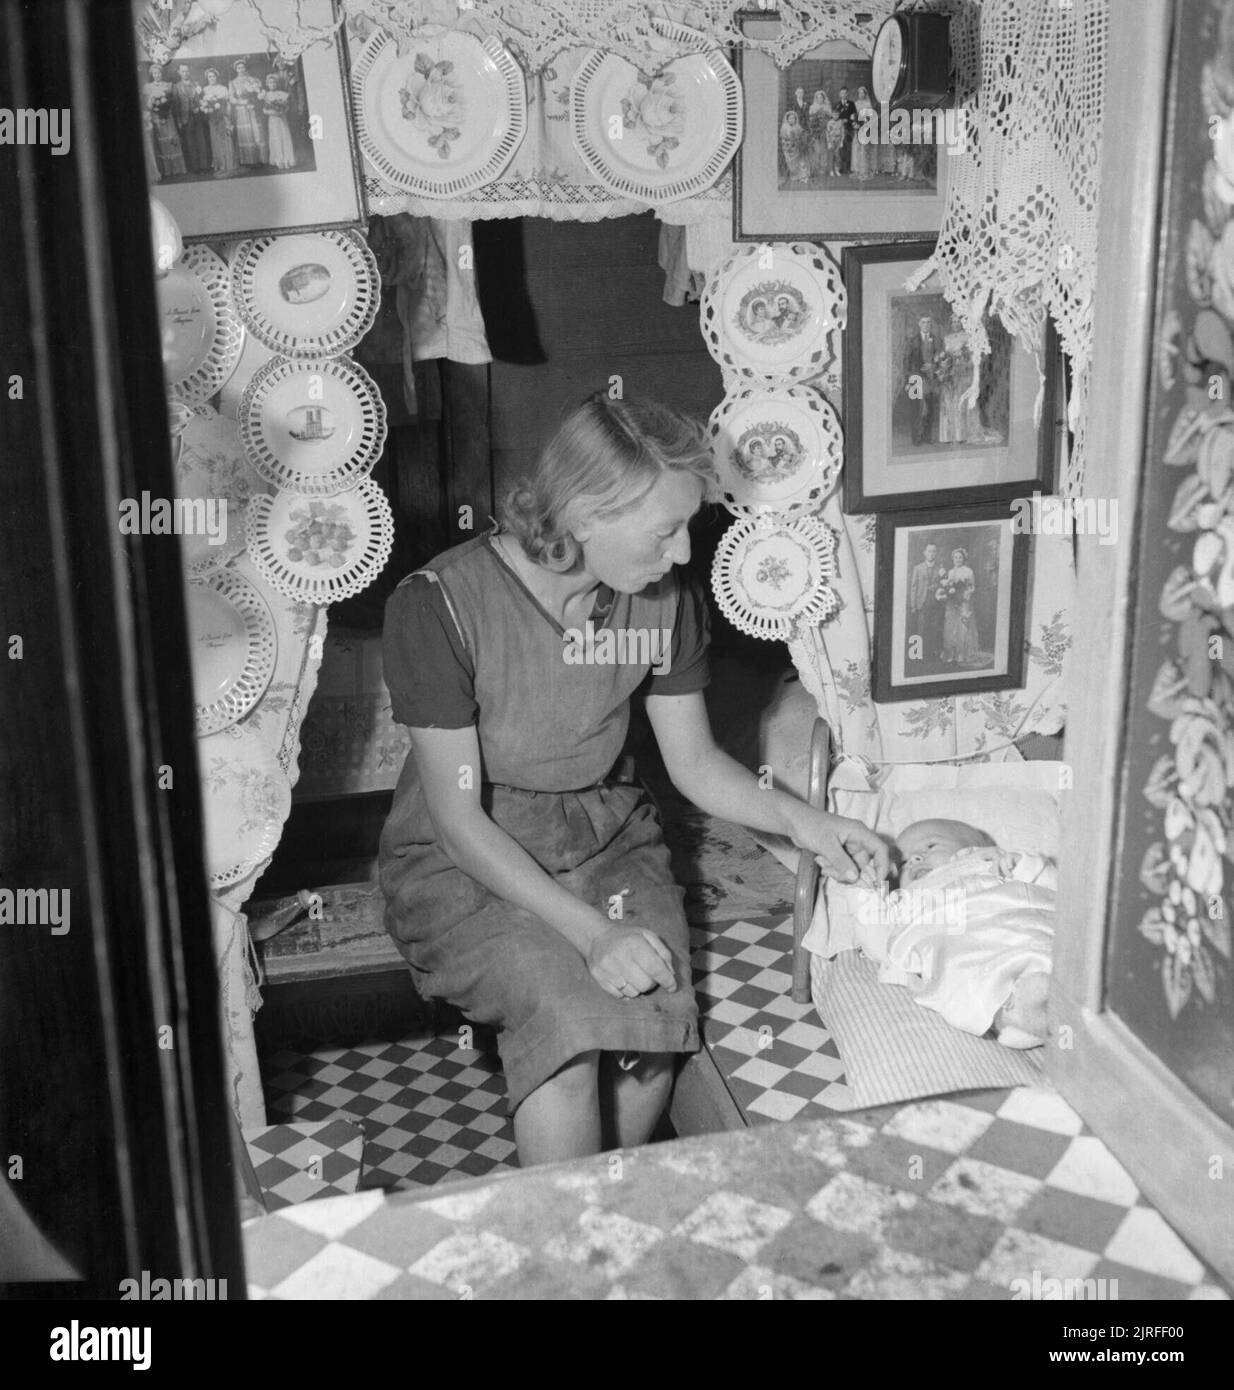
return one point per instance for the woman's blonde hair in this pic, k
(605, 457)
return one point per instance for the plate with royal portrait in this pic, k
(309, 295)
(660, 134)
(773, 576)
(769, 312)
(441, 114)
(315, 428)
(777, 450)
(202, 334)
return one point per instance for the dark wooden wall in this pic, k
(570, 304)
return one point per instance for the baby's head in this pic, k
(926, 844)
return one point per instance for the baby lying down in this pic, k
(970, 930)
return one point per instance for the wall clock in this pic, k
(912, 61)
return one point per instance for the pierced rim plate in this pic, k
(657, 136)
(443, 118)
(771, 578)
(234, 645)
(315, 428)
(211, 465)
(313, 295)
(202, 334)
(769, 311)
(321, 550)
(246, 798)
(777, 451)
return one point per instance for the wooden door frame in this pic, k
(1158, 1128)
(118, 1017)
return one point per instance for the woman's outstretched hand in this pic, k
(629, 961)
(845, 849)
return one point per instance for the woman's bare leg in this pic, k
(561, 1118)
(633, 1101)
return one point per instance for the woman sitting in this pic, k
(525, 872)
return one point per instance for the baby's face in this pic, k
(931, 843)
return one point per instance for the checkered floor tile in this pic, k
(777, 1059)
(995, 1196)
(302, 1162)
(429, 1109)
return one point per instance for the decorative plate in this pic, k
(657, 135)
(769, 310)
(321, 550)
(202, 334)
(776, 451)
(234, 645)
(769, 576)
(314, 295)
(211, 467)
(246, 798)
(442, 118)
(314, 427)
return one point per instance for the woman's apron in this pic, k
(550, 734)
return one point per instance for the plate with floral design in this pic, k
(246, 798)
(440, 114)
(233, 645)
(772, 577)
(311, 295)
(313, 427)
(660, 134)
(321, 550)
(770, 311)
(777, 450)
(201, 332)
(212, 472)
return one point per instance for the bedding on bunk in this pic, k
(892, 1047)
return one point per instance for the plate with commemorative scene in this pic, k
(776, 450)
(769, 313)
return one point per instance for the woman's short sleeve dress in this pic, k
(466, 643)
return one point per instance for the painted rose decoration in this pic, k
(432, 100)
(656, 112)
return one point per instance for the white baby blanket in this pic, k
(963, 934)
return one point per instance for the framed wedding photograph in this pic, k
(240, 141)
(950, 602)
(821, 162)
(914, 434)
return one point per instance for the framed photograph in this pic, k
(950, 599)
(913, 435)
(240, 142)
(820, 162)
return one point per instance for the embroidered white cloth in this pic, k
(1019, 233)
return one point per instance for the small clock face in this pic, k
(888, 61)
